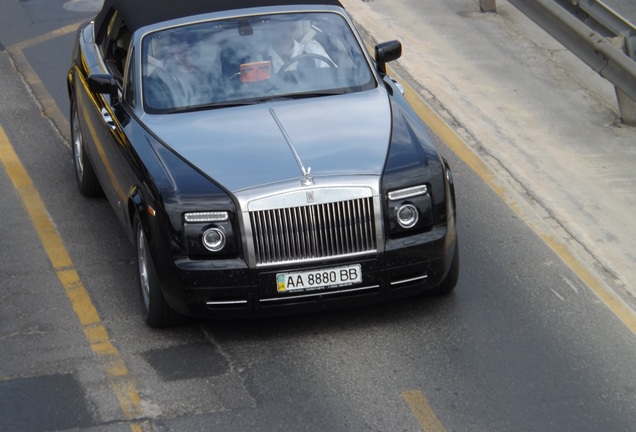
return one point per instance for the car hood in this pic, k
(250, 146)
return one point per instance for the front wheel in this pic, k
(155, 310)
(450, 281)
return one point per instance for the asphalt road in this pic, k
(522, 345)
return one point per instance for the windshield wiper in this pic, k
(318, 93)
(213, 105)
(253, 101)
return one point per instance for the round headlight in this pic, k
(407, 215)
(214, 239)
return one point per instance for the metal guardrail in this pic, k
(612, 21)
(590, 46)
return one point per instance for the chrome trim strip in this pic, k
(229, 302)
(323, 194)
(409, 280)
(379, 223)
(311, 260)
(291, 297)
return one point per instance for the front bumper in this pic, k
(229, 289)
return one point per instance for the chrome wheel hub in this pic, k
(77, 145)
(142, 258)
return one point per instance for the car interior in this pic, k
(234, 60)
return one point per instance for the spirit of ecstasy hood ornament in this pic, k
(306, 179)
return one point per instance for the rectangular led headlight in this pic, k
(212, 216)
(408, 192)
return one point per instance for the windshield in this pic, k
(250, 60)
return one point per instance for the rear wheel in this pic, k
(85, 176)
(155, 310)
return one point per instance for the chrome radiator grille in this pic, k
(314, 231)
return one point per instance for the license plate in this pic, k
(325, 278)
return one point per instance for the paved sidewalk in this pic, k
(545, 123)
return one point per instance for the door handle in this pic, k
(108, 119)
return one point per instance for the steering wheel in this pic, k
(299, 57)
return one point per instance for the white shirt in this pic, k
(313, 47)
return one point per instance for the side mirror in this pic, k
(104, 84)
(101, 83)
(386, 52)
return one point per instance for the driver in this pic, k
(284, 47)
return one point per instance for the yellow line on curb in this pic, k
(422, 411)
(94, 331)
(43, 96)
(46, 101)
(470, 158)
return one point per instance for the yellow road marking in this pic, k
(49, 107)
(94, 331)
(47, 36)
(625, 313)
(422, 411)
(44, 98)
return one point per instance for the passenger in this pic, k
(184, 66)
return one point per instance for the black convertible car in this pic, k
(259, 157)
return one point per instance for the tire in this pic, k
(155, 311)
(87, 181)
(450, 281)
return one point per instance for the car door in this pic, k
(106, 115)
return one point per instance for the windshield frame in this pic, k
(348, 43)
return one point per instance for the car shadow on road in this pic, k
(423, 310)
